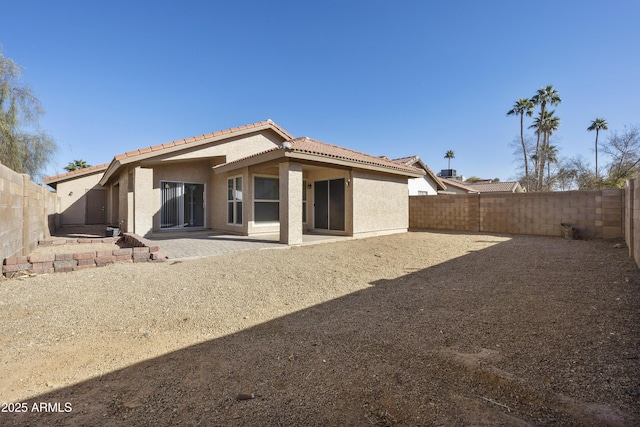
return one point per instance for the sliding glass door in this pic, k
(328, 202)
(182, 205)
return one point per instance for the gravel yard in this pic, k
(412, 329)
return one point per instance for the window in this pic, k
(234, 200)
(266, 197)
(304, 201)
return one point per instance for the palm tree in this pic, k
(598, 125)
(544, 96)
(521, 107)
(449, 155)
(545, 125)
(75, 165)
(551, 155)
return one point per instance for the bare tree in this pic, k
(23, 146)
(623, 148)
(582, 172)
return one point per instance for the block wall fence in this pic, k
(606, 214)
(28, 212)
(632, 218)
(595, 214)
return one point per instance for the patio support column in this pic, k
(291, 203)
(143, 201)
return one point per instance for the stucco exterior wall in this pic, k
(232, 149)
(417, 186)
(290, 203)
(73, 200)
(380, 203)
(145, 204)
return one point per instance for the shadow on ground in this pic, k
(475, 340)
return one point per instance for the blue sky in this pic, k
(393, 78)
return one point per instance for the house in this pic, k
(495, 187)
(247, 180)
(427, 185)
(455, 186)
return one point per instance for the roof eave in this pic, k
(113, 167)
(296, 155)
(53, 181)
(350, 163)
(162, 150)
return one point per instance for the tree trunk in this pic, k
(524, 151)
(597, 130)
(538, 165)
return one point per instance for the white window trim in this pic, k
(234, 201)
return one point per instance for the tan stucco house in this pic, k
(247, 180)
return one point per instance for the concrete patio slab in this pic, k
(181, 244)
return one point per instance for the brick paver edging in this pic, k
(140, 250)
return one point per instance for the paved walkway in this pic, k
(199, 244)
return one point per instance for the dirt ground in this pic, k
(413, 329)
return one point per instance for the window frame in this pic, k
(236, 203)
(256, 200)
(180, 204)
(304, 201)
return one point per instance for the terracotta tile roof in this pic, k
(407, 160)
(307, 145)
(200, 138)
(412, 160)
(458, 184)
(495, 187)
(77, 172)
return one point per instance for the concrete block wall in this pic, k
(595, 214)
(27, 211)
(632, 219)
(445, 212)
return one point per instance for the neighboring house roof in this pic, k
(496, 187)
(310, 149)
(53, 180)
(417, 162)
(458, 184)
